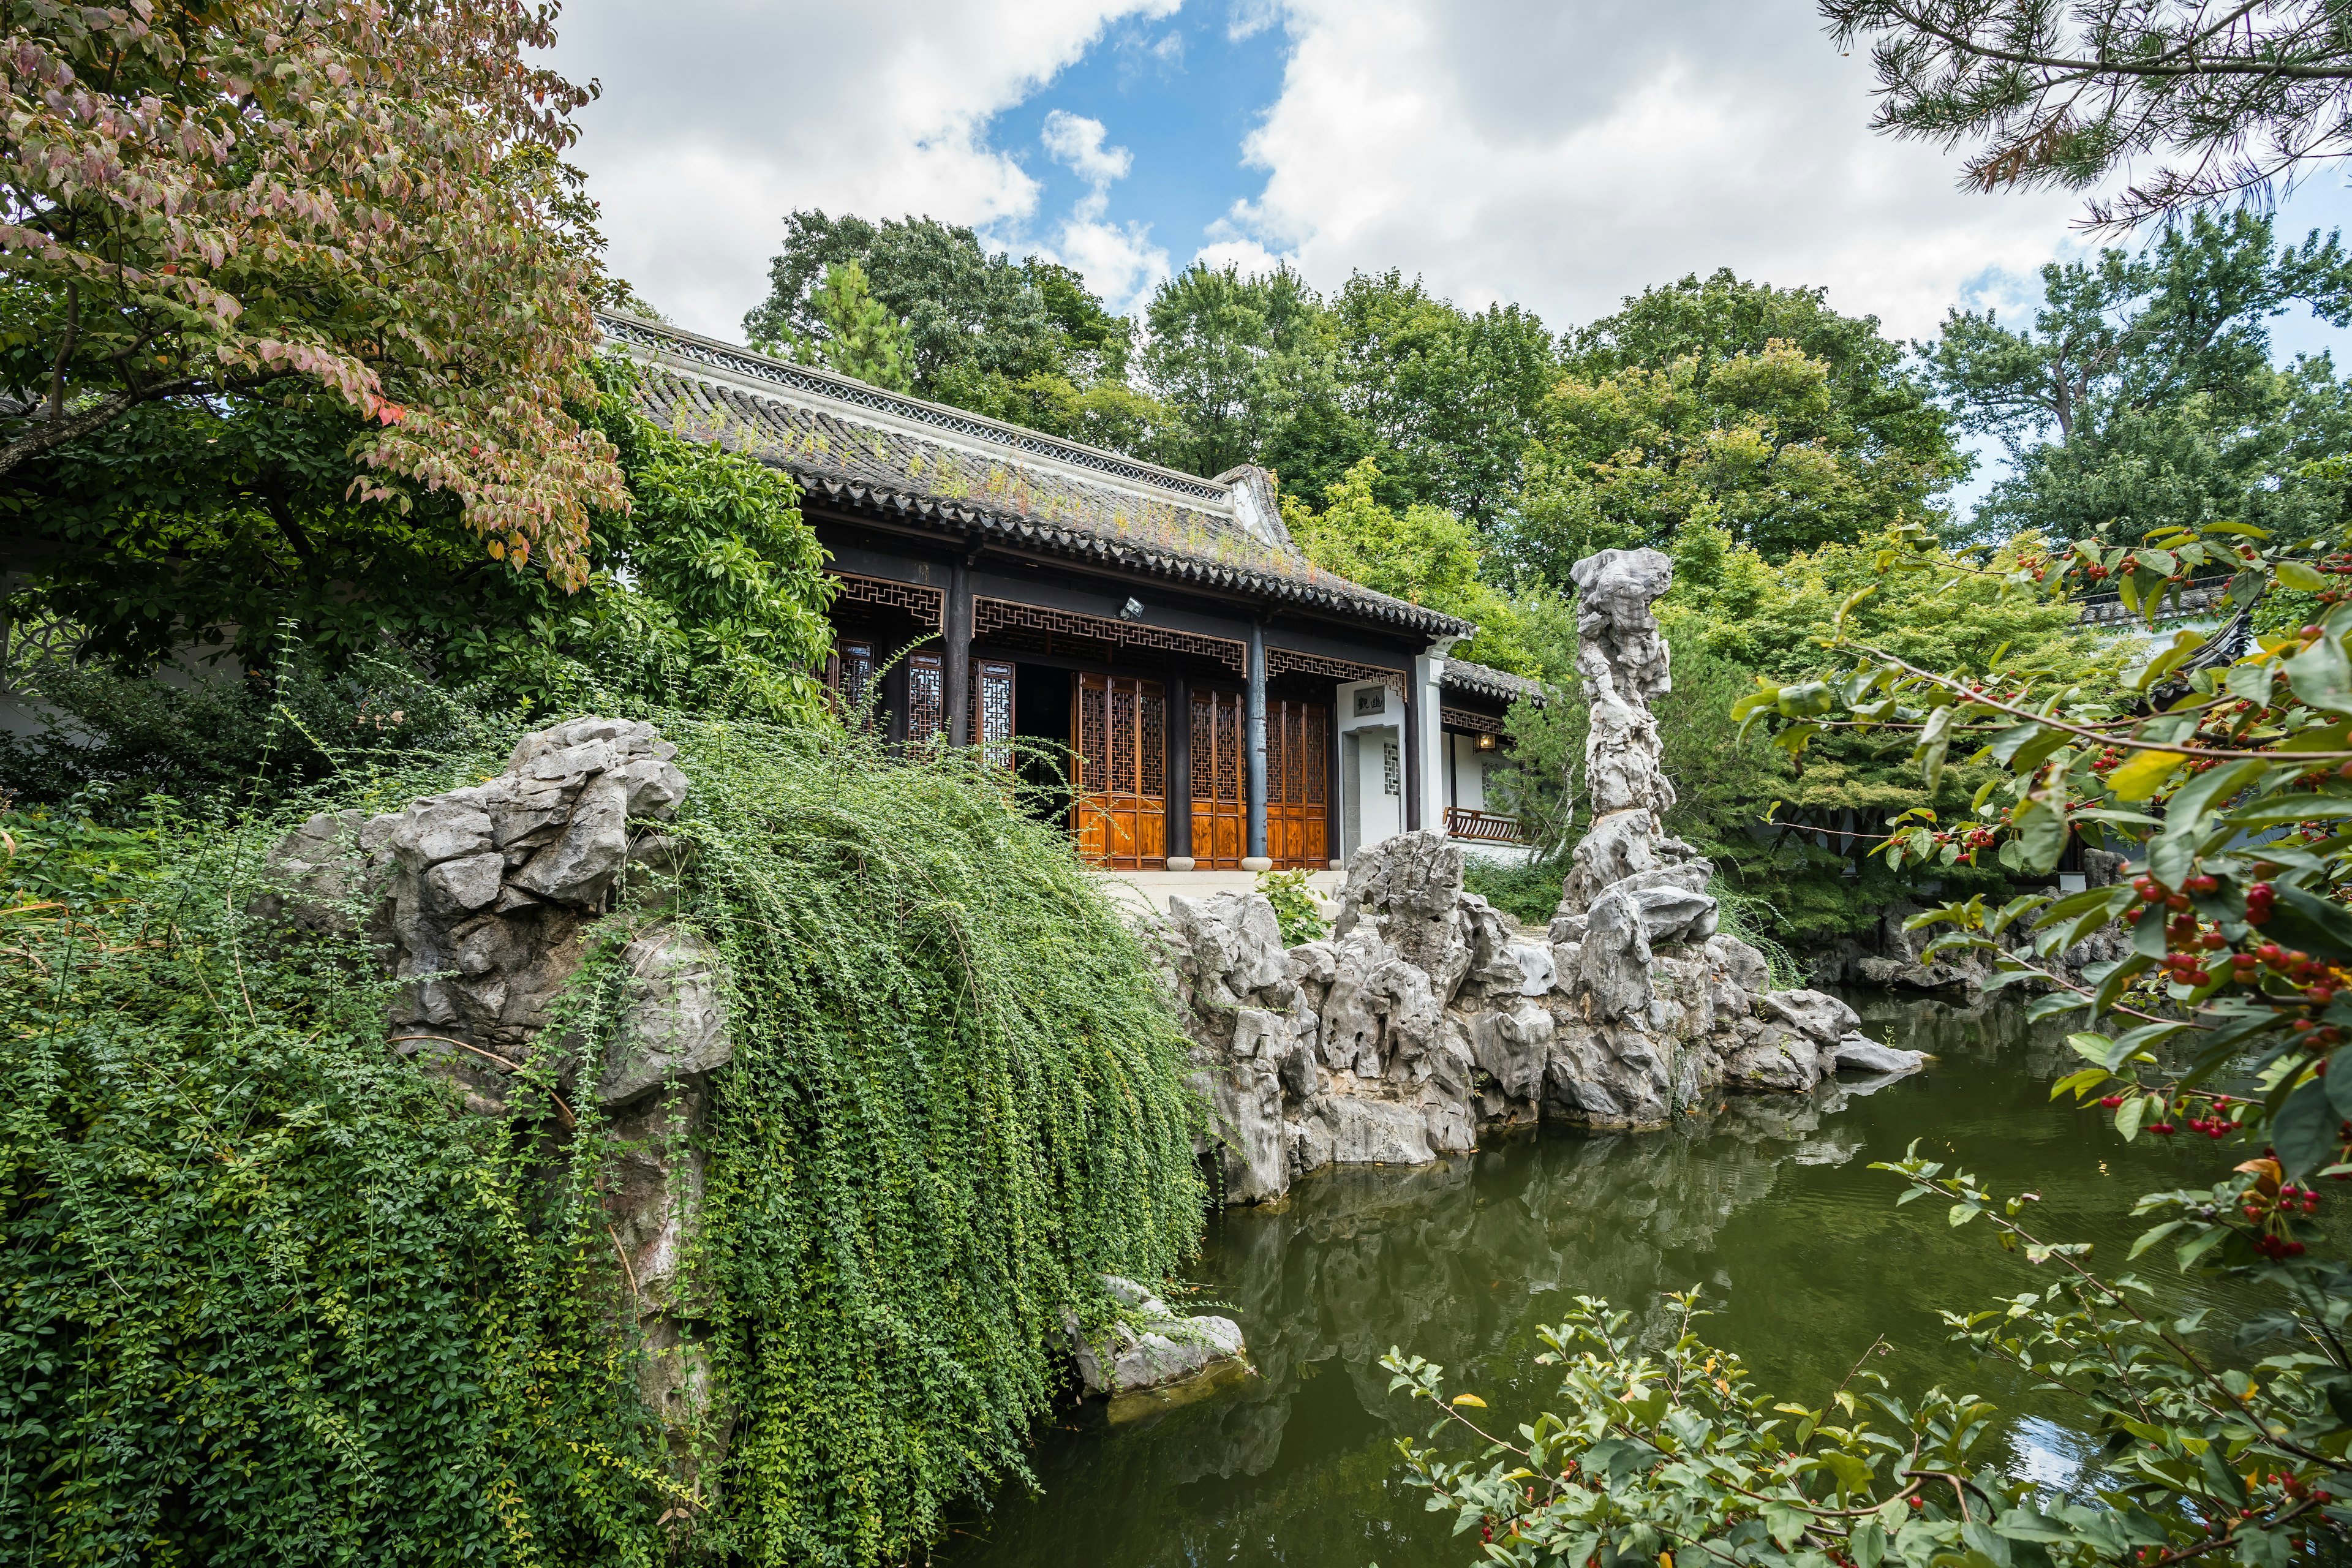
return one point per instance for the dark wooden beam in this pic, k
(1256, 746)
(955, 631)
(1408, 732)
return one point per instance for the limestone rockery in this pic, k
(1426, 1015)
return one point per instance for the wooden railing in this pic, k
(1481, 826)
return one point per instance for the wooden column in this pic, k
(1410, 730)
(1179, 765)
(1254, 748)
(1335, 810)
(955, 632)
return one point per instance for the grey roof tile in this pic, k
(869, 450)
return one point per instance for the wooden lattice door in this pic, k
(1298, 784)
(1119, 737)
(1220, 780)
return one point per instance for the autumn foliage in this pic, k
(199, 199)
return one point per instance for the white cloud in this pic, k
(1565, 156)
(1076, 143)
(721, 116)
(1248, 18)
(1118, 261)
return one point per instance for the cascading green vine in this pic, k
(269, 1294)
(266, 1295)
(957, 1097)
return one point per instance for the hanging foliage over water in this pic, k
(956, 1098)
(270, 1292)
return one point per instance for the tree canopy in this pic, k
(2223, 101)
(2142, 392)
(1724, 402)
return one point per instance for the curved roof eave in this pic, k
(965, 518)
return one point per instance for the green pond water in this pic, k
(1769, 1202)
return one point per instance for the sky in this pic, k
(1559, 154)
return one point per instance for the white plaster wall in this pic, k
(1468, 781)
(1368, 811)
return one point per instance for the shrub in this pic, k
(1297, 910)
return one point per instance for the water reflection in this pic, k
(1768, 1202)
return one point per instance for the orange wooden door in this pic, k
(1220, 780)
(1298, 784)
(1119, 736)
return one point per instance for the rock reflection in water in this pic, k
(1767, 1201)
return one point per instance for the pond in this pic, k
(1769, 1202)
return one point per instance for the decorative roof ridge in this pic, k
(1472, 676)
(745, 364)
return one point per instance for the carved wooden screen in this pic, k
(927, 706)
(851, 676)
(991, 710)
(1119, 728)
(1220, 780)
(1298, 781)
(1298, 784)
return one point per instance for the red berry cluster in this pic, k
(2338, 565)
(2192, 947)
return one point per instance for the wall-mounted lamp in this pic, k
(1486, 742)
(1132, 611)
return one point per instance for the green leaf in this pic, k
(2186, 812)
(2143, 773)
(2049, 1006)
(2316, 925)
(2005, 745)
(2080, 1084)
(2093, 1047)
(2338, 1082)
(2042, 834)
(2287, 811)
(1934, 741)
(1786, 1523)
(1867, 1544)
(2117, 980)
(2148, 1238)
(2252, 682)
(2304, 1130)
(2321, 677)
(2130, 1114)
(1809, 701)
(2302, 578)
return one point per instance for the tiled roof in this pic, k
(867, 449)
(1497, 685)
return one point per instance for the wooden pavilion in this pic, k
(1228, 704)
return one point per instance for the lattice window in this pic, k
(851, 677)
(1151, 758)
(1464, 718)
(926, 605)
(28, 642)
(1120, 815)
(1391, 768)
(1290, 661)
(926, 712)
(1093, 749)
(991, 710)
(1298, 784)
(996, 617)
